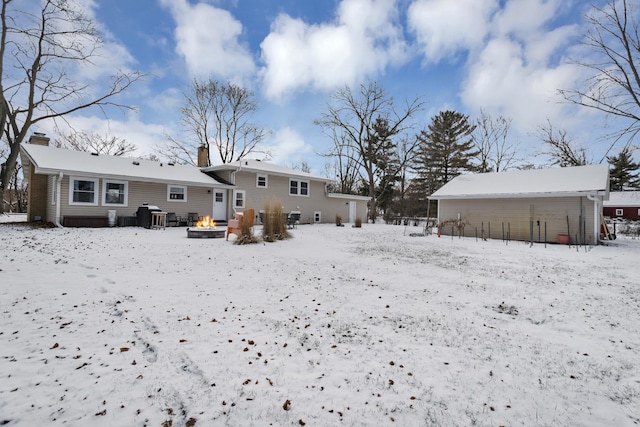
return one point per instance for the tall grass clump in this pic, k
(246, 229)
(274, 226)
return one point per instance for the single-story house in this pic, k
(257, 182)
(623, 205)
(66, 185)
(72, 188)
(550, 205)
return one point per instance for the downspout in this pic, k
(58, 187)
(597, 209)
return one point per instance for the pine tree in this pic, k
(446, 150)
(623, 174)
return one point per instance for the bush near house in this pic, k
(274, 226)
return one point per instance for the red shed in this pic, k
(622, 205)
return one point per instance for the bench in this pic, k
(85, 221)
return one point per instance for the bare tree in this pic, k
(36, 52)
(343, 166)
(219, 116)
(614, 84)
(96, 143)
(561, 150)
(405, 152)
(495, 152)
(366, 122)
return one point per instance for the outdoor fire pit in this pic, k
(205, 229)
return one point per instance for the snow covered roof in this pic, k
(51, 160)
(265, 167)
(555, 182)
(623, 199)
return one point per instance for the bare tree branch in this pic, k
(357, 118)
(613, 86)
(219, 116)
(561, 150)
(36, 52)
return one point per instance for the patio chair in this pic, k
(293, 219)
(192, 218)
(234, 226)
(172, 219)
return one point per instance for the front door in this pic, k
(220, 205)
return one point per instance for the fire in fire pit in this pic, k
(205, 228)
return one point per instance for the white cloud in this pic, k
(288, 146)
(525, 17)
(514, 60)
(363, 41)
(501, 80)
(208, 39)
(146, 136)
(444, 27)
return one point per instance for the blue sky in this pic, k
(508, 57)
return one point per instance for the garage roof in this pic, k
(554, 182)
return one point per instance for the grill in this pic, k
(143, 215)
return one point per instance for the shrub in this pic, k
(338, 220)
(358, 222)
(274, 226)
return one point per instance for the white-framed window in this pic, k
(317, 216)
(262, 181)
(298, 187)
(176, 193)
(83, 191)
(619, 212)
(238, 199)
(115, 193)
(219, 197)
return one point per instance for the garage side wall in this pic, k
(512, 218)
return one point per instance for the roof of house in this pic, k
(259, 166)
(623, 199)
(555, 182)
(51, 160)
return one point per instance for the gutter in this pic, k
(597, 216)
(58, 187)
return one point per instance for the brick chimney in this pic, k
(203, 157)
(39, 139)
(37, 190)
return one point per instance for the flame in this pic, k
(206, 222)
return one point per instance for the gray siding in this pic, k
(515, 215)
(199, 199)
(278, 189)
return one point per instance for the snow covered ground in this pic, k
(337, 326)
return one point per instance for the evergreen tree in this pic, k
(446, 150)
(623, 174)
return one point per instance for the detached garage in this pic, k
(541, 205)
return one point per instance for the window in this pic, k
(262, 181)
(298, 188)
(176, 193)
(317, 216)
(219, 197)
(83, 191)
(619, 212)
(238, 199)
(114, 193)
